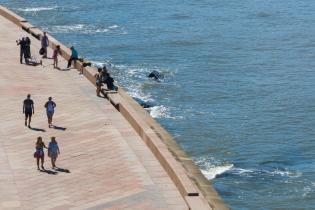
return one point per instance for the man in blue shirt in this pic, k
(74, 56)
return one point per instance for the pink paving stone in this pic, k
(107, 171)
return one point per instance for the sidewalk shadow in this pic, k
(48, 172)
(38, 129)
(62, 170)
(60, 69)
(59, 128)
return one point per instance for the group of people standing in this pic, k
(28, 110)
(25, 49)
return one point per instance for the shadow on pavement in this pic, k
(59, 128)
(38, 129)
(62, 170)
(49, 172)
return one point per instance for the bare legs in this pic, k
(42, 162)
(53, 162)
(29, 121)
(49, 121)
(55, 63)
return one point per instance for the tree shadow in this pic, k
(62, 170)
(50, 172)
(59, 128)
(37, 129)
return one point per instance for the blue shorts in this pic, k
(50, 113)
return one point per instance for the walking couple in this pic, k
(53, 152)
(28, 110)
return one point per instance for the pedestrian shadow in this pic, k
(60, 69)
(38, 129)
(59, 128)
(62, 170)
(49, 171)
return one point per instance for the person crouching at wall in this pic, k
(74, 56)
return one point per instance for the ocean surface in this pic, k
(238, 87)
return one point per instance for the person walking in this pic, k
(53, 151)
(45, 44)
(74, 56)
(50, 109)
(28, 110)
(22, 43)
(39, 152)
(55, 56)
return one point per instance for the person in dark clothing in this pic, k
(22, 43)
(110, 83)
(45, 43)
(27, 48)
(28, 109)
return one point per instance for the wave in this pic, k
(80, 28)
(212, 168)
(36, 9)
(214, 172)
(160, 112)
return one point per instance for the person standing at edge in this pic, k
(74, 56)
(45, 44)
(50, 108)
(28, 109)
(53, 151)
(55, 56)
(22, 43)
(39, 152)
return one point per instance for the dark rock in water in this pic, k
(156, 75)
(143, 103)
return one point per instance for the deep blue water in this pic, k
(238, 93)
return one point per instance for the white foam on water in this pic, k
(160, 112)
(113, 26)
(36, 9)
(211, 168)
(78, 28)
(286, 173)
(213, 172)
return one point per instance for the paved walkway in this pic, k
(110, 167)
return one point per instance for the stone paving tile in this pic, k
(110, 166)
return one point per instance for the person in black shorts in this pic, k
(28, 109)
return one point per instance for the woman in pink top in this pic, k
(55, 56)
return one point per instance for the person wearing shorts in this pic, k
(28, 109)
(50, 109)
(39, 152)
(53, 151)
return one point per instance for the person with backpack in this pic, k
(53, 151)
(50, 109)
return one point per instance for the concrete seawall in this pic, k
(192, 185)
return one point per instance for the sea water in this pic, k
(238, 87)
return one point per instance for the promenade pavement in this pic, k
(109, 165)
